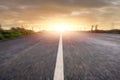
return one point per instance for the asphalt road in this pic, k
(91, 57)
(29, 58)
(85, 57)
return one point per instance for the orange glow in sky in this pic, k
(62, 25)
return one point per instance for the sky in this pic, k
(80, 14)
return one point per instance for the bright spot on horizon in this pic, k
(61, 25)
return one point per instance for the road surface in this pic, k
(74, 56)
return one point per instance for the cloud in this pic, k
(39, 3)
(2, 7)
(84, 10)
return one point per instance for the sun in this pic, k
(60, 27)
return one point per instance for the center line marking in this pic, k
(59, 70)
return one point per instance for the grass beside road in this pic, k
(14, 33)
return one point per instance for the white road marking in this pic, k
(59, 70)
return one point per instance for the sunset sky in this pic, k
(44, 14)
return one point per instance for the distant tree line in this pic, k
(94, 29)
(13, 32)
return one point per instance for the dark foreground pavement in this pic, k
(91, 57)
(86, 57)
(31, 58)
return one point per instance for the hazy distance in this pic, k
(78, 14)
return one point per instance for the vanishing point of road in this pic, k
(67, 56)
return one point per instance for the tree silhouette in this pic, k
(96, 27)
(92, 27)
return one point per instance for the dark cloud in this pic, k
(80, 3)
(33, 10)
